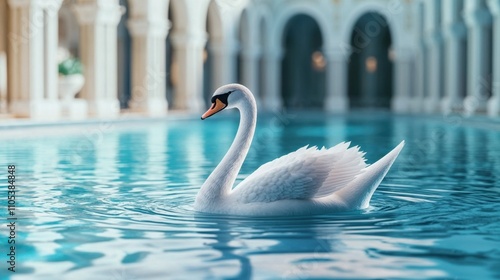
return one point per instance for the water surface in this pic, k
(114, 201)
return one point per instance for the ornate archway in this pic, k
(303, 64)
(370, 64)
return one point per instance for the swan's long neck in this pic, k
(220, 182)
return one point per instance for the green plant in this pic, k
(70, 66)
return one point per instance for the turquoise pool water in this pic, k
(114, 201)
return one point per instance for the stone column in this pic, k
(188, 60)
(455, 33)
(250, 69)
(223, 62)
(420, 77)
(478, 20)
(98, 21)
(148, 26)
(494, 101)
(188, 40)
(271, 98)
(3, 56)
(400, 103)
(337, 99)
(434, 65)
(33, 59)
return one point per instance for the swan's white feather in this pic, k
(304, 174)
(307, 181)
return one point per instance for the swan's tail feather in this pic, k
(357, 194)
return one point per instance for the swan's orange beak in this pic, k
(217, 106)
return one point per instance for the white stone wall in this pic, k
(429, 40)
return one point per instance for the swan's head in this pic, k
(227, 96)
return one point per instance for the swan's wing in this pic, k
(303, 174)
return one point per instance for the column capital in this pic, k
(476, 13)
(494, 6)
(432, 15)
(144, 27)
(404, 55)
(148, 17)
(98, 11)
(182, 40)
(51, 6)
(221, 47)
(251, 53)
(338, 54)
(456, 30)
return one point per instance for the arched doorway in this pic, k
(370, 63)
(303, 65)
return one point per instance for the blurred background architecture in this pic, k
(151, 56)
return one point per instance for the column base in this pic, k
(473, 104)
(153, 107)
(271, 103)
(450, 105)
(76, 109)
(336, 104)
(494, 106)
(416, 105)
(36, 109)
(400, 104)
(431, 105)
(104, 108)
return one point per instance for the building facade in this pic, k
(151, 56)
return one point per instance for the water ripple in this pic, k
(121, 206)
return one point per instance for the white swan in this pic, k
(307, 181)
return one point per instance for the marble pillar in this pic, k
(250, 69)
(32, 56)
(98, 20)
(417, 100)
(434, 66)
(478, 20)
(188, 39)
(224, 57)
(494, 101)
(455, 33)
(271, 97)
(337, 100)
(403, 64)
(3, 56)
(148, 25)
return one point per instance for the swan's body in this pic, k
(307, 181)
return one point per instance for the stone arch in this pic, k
(289, 11)
(246, 28)
(215, 26)
(303, 64)
(378, 8)
(215, 38)
(370, 69)
(273, 83)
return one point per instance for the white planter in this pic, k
(69, 86)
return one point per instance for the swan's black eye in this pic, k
(222, 97)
